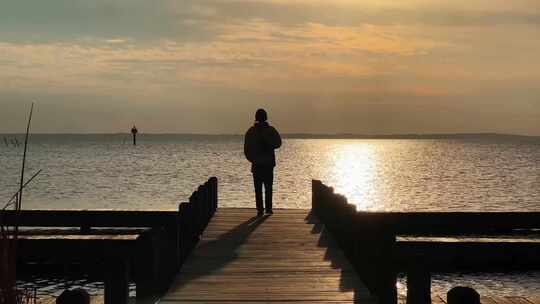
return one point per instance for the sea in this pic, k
(451, 173)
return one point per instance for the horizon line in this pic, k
(296, 134)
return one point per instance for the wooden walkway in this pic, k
(286, 257)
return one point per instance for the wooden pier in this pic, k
(382, 244)
(144, 247)
(330, 254)
(286, 257)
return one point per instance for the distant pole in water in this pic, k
(134, 131)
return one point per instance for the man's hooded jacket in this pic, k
(259, 144)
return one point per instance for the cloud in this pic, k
(117, 40)
(27, 21)
(381, 56)
(60, 21)
(353, 13)
(252, 51)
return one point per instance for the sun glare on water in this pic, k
(352, 171)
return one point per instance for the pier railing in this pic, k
(195, 216)
(381, 244)
(147, 247)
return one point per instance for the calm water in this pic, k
(106, 172)
(103, 172)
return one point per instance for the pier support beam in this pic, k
(418, 286)
(386, 289)
(116, 282)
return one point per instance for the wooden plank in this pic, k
(481, 255)
(439, 300)
(518, 300)
(90, 218)
(535, 299)
(487, 300)
(499, 300)
(74, 249)
(457, 239)
(508, 300)
(278, 258)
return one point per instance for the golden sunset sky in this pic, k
(317, 66)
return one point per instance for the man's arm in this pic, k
(275, 138)
(247, 152)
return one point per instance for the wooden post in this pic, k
(315, 188)
(374, 261)
(461, 294)
(182, 210)
(215, 194)
(116, 282)
(164, 259)
(134, 132)
(387, 290)
(385, 272)
(146, 266)
(188, 236)
(418, 285)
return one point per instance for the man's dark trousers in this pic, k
(263, 175)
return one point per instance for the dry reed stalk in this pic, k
(9, 294)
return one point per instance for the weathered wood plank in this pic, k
(434, 300)
(438, 300)
(518, 300)
(487, 300)
(89, 218)
(477, 254)
(448, 239)
(285, 257)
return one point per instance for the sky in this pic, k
(317, 66)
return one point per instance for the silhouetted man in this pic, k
(259, 144)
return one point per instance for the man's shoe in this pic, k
(260, 213)
(269, 211)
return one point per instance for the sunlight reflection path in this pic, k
(351, 171)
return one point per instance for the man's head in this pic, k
(261, 116)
